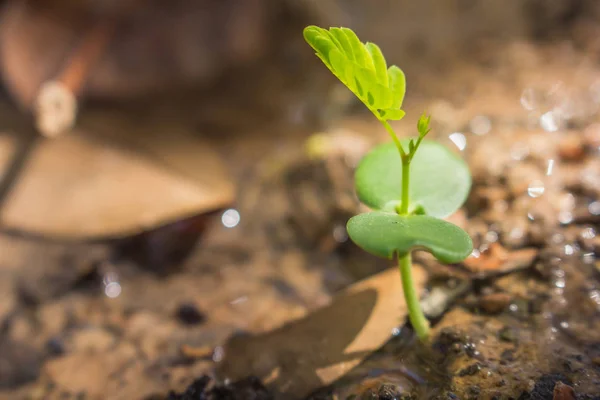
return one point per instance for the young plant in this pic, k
(409, 184)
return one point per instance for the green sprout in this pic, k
(409, 194)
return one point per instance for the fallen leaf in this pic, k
(116, 177)
(497, 260)
(312, 352)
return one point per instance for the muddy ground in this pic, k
(519, 319)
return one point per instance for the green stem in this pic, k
(405, 187)
(389, 129)
(415, 314)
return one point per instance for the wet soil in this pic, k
(82, 322)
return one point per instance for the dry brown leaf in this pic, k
(115, 177)
(304, 355)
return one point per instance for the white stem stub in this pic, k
(55, 109)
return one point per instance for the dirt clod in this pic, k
(563, 392)
(205, 388)
(495, 302)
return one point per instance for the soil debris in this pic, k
(205, 388)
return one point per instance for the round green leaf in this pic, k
(439, 180)
(384, 234)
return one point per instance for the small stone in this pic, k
(189, 314)
(570, 147)
(563, 392)
(388, 392)
(470, 370)
(55, 347)
(495, 303)
(507, 334)
(474, 390)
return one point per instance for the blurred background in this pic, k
(175, 171)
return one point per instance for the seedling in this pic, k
(409, 184)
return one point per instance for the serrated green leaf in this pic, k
(341, 37)
(385, 234)
(439, 180)
(357, 46)
(361, 67)
(397, 85)
(379, 63)
(392, 114)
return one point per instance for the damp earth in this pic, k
(236, 302)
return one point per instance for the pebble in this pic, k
(571, 146)
(563, 392)
(495, 303)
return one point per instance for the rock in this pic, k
(563, 392)
(494, 303)
(571, 146)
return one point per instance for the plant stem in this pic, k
(415, 314)
(389, 129)
(405, 187)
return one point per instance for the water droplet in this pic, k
(112, 290)
(594, 208)
(536, 188)
(340, 234)
(530, 216)
(528, 99)
(588, 258)
(519, 151)
(564, 324)
(595, 296)
(230, 218)
(565, 217)
(588, 233)
(218, 354)
(567, 201)
(557, 238)
(396, 331)
(569, 250)
(559, 283)
(549, 122)
(110, 277)
(513, 307)
(550, 167)
(480, 125)
(459, 140)
(516, 233)
(475, 253)
(239, 300)
(491, 237)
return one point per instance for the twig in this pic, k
(55, 106)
